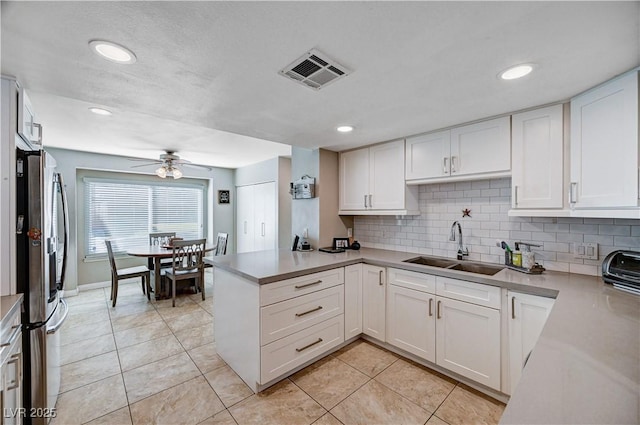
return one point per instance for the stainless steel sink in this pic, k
(433, 262)
(477, 268)
(486, 269)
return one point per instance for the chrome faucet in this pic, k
(462, 252)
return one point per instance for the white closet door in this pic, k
(264, 197)
(245, 221)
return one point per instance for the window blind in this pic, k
(126, 212)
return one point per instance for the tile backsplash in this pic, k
(489, 202)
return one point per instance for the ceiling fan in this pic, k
(170, 164)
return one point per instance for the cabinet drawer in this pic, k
(413, 280)
(289, 288)
(287, 353)
(286, 317)
(476, 293)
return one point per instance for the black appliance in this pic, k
(622, 270)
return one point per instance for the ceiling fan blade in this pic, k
(198, 165)
(146, 165)
(157, 161)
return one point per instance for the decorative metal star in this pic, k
(466, 212)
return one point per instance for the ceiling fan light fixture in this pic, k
(176, 173)
(162, 172)
(112, 52)
(517, 71)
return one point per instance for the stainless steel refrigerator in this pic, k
(42, 235)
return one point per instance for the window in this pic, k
(126, 212)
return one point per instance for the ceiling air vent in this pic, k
(314, 69)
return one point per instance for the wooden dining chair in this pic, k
(187, 264)
(130, 272)
(221, 244)
(160, 239)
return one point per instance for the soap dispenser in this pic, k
(517, 256)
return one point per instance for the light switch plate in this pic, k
(587, 251)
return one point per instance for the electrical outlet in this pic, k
(587, 251)
(305, 233)
(349, 232)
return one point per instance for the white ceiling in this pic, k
(206, 82)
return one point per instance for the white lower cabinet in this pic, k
(373, 301)
(285, 354)
(468, 340)
(411, 323)
(306, 321)
(352, 301)
(459, 331)
(527, 316)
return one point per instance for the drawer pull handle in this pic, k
(310, 311)
(309, 346)
(430, 307)
(16, 360)
(13, 337)
(381, 282)
(308, 284)
(513, 307)
(439, 316)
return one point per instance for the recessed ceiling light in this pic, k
(517, 71)
(345, 128)
(100, 111)
(112, 51)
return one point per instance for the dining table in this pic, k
(156, 253)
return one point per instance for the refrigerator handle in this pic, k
(65, 220)
(53, 329)
(20, 225)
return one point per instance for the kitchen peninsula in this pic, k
(585, 366)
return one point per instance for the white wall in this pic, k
(220, 217)
(319, 214)
(305, 213)
(489, 201)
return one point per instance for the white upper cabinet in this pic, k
(480, 150)
(372, 181)
(428, 156)
(537, 162)
(354, 179)
(604, 149)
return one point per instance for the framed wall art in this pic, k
(223, 197)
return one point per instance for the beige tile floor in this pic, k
(148, 363)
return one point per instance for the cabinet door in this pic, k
(386, 176)
(411, 323)
(352, 300)
(468, 340)
(354, 179)
(484, 147)
(537, 143)
(11, 385)
(604, 145)
(373, 301)
(245, 223)
(264, 218)
(527, 316)
(428, 155)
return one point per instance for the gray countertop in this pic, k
(585, 367)
(8, 303)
